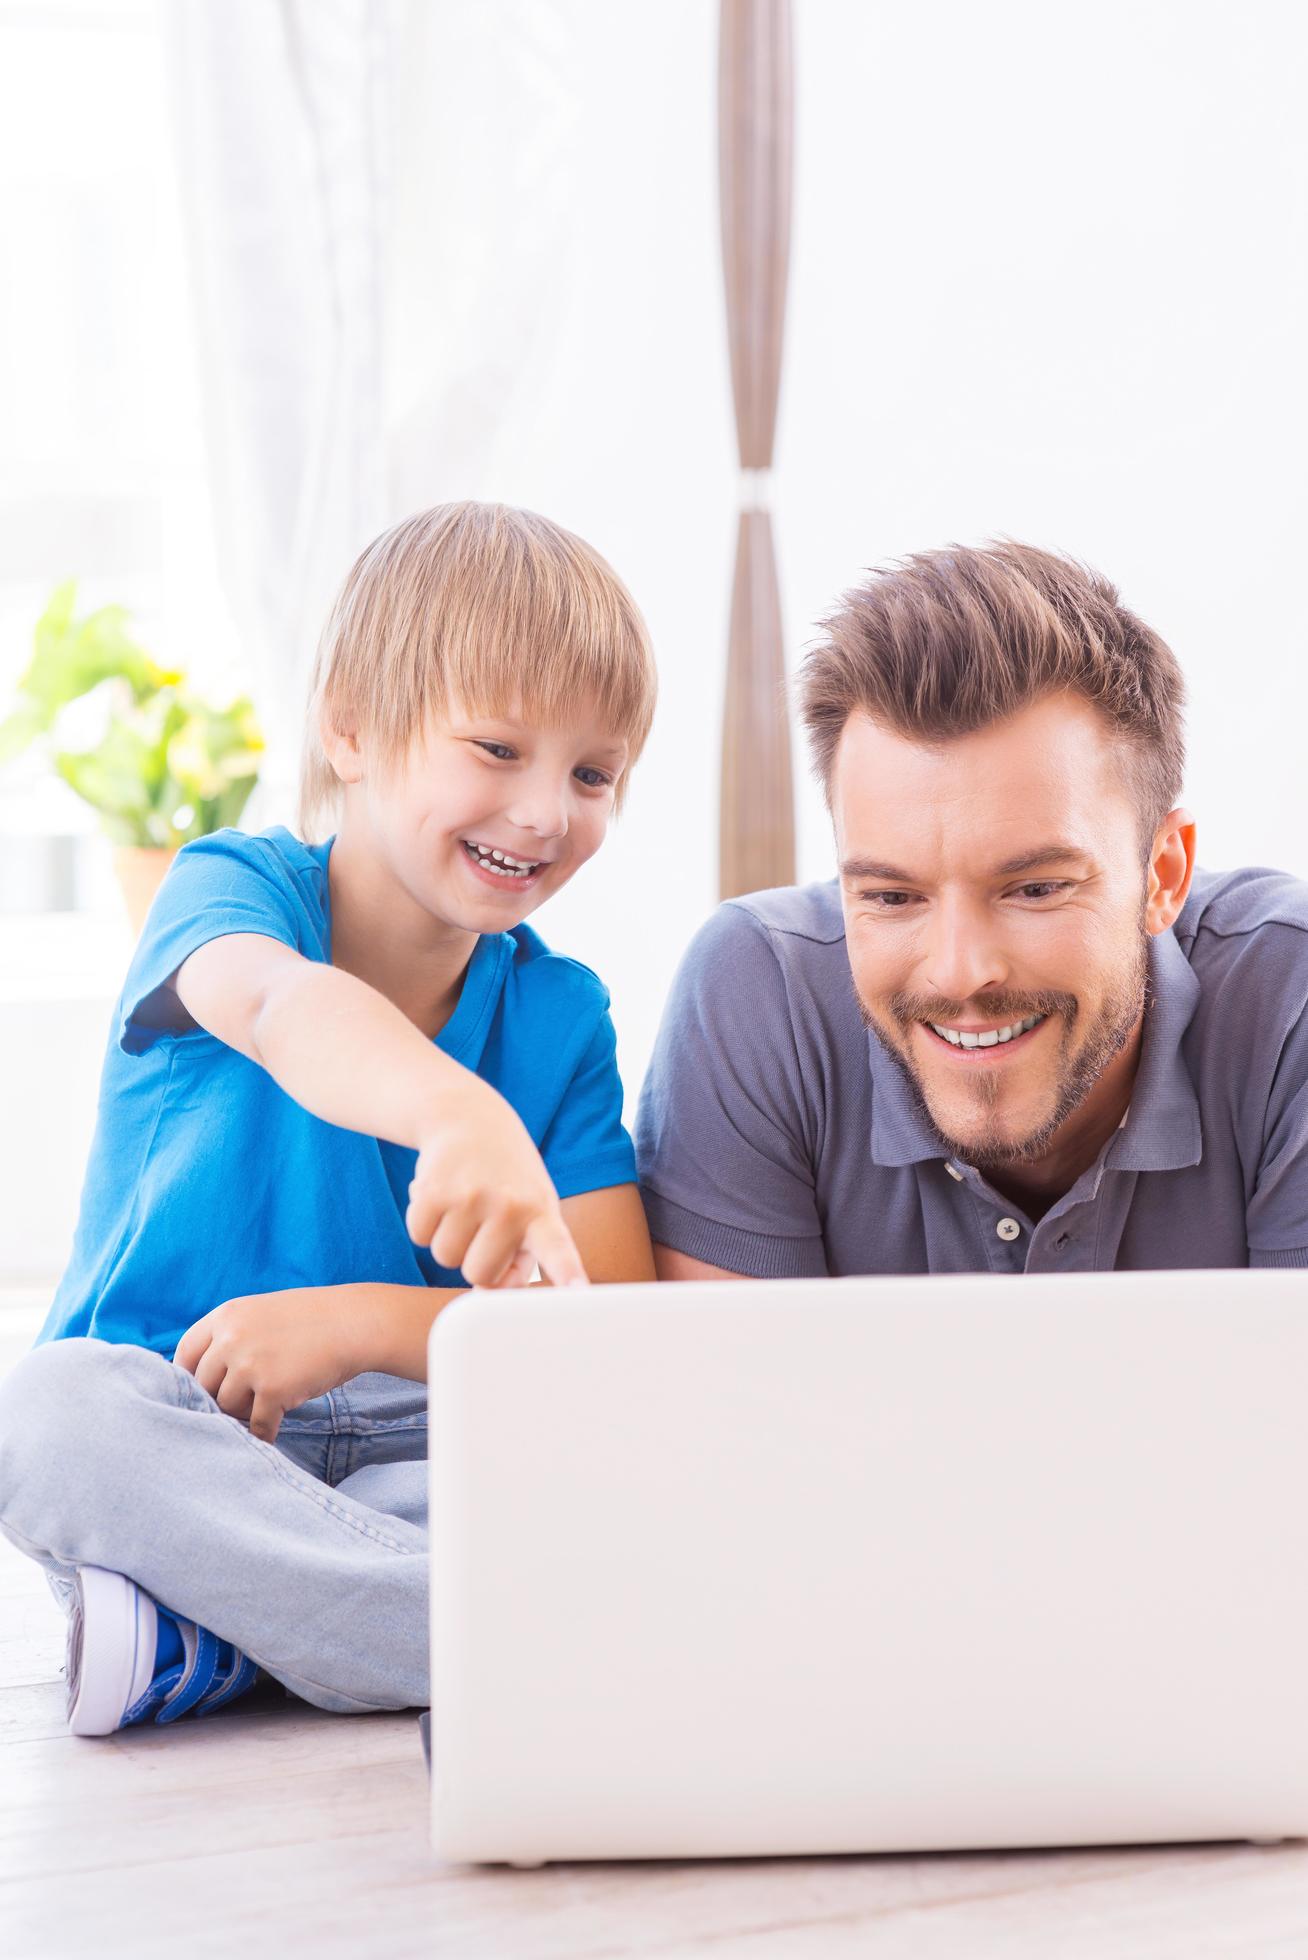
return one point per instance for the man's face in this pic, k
(994, 896)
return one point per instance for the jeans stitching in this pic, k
(187, 1390)
(293, 1478)
(386, 1425)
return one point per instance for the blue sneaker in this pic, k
(131, 1660)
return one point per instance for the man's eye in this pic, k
(593, 778)
(887, 901)
(500, 750)
(1047, 889)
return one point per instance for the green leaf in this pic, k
(71, 656)
(165, 753)
(19, 730)
(227, 810)
(109, 783)
(126, 830)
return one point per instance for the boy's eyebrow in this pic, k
(1047, 854)
(616, 746)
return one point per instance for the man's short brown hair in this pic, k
(947, 642)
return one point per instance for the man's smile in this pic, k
(983, 1042)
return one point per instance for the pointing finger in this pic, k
(555, 1252)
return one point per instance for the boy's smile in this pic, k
(510, 871)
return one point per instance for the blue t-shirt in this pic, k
(207, 1181)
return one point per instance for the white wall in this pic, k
(1050, 279)
(560, 344)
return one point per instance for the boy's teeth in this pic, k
(991, 1038)
(500, 862)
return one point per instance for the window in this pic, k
(102, 464)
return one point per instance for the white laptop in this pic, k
(869, 1565)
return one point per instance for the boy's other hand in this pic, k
(267, 1352)
(482, 1199)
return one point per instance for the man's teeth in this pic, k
(500, 862)
(991, 1038)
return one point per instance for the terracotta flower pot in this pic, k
(140, 870)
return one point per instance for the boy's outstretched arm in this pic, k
(267, 1353)
(481, 1196)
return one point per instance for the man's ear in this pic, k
(1170, 869)
(342, 750)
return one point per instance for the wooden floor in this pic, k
(282, 1830)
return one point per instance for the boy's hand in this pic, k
(481, 1197)
(266, 1353)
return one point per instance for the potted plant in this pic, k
(167, 767)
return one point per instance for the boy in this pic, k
(344, 1080)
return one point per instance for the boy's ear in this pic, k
(341, 748)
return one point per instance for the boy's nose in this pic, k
(541, 811)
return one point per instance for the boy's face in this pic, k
(489, 815)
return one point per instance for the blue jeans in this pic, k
(309, 1554)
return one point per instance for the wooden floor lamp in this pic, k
(756, 142)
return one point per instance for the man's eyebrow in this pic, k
(855, 868)
(864, 868)
(1033, 860)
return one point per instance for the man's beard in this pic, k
(1077, 1072)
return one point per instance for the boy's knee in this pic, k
(58, 1402)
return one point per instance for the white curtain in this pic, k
(285, 118)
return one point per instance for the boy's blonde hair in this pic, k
(482, 606)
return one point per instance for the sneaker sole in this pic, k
(111, 1647)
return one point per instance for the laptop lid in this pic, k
(869, 1564)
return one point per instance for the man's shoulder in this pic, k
(1229, 904)
(784, 952)
(804, 912)
(1245, 935)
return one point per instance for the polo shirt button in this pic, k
(1008, 1228)
(955, 1173)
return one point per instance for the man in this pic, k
(1063, 1048)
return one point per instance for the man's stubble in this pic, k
(1078, 1071)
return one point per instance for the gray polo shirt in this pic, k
(776, 1136)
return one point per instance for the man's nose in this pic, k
(541, 807)
(963, 954)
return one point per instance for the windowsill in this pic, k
(60, 973)
(48, 956)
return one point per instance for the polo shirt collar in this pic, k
(901, 1133)
(1162, 1132)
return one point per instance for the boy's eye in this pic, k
(500, 750)
(593, 778)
